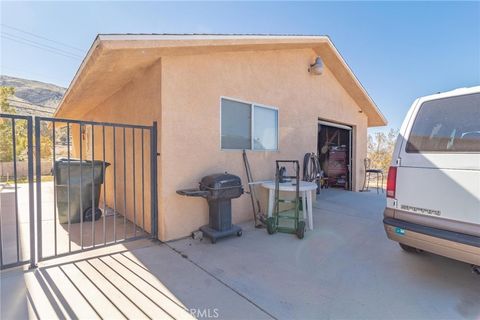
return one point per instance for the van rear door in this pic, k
(438, 173)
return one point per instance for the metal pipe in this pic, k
(68, 188)
(93, 186)
(31, 200)
(14, 147)
(124, 188)
(134, 187)
(54, 190)
(104, 187)
(153, 180)
(114, 188)
(38, 173)
(81, 187)
(143, 183)
(14, 116)
(83, 122)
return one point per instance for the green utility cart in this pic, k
(286, 214)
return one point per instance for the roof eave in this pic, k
(126, 41)
(85, 61)
(382, 120)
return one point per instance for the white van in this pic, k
(433, 184)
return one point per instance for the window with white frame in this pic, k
(248, 126)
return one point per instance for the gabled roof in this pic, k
(113, 59)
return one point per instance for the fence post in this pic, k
(153, 181)
(31, 196)
(38, 172)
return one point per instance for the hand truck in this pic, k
(281, 221)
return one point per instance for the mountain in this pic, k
(33, 97)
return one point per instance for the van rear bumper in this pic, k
(450, 244)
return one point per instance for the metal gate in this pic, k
(95, 185)
(16, 249)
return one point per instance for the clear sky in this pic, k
(398, 50)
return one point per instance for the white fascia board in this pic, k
(133, 37)
(94, 45)
(358, 83)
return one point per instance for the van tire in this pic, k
(409, 249)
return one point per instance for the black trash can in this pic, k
(80, 195)
(219, 190)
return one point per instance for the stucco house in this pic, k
(214, 95)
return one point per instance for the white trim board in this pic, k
(333, 124)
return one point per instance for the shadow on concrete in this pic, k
(111, 285)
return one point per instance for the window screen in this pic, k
(447, 125)
(265, 128)
(236, 125)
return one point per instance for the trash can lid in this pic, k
(77, 162)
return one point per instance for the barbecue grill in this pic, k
(218, 189)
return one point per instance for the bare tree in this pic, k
(380, 148)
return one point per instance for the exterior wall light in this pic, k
(317, 67)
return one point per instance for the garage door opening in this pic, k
(335, 154)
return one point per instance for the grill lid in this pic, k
(220, 181)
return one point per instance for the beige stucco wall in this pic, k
(183, 94)
(138, 103)
(190, 132)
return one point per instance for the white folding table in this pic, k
(305, 188)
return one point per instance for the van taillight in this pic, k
(391, 182)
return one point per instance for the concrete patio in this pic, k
(55, 236)
(345, 268)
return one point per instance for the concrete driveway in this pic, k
(345, 268)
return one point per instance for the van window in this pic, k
(447, 125)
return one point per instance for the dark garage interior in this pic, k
(334, 150)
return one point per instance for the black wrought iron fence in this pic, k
(100, 187)
(17, 211)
